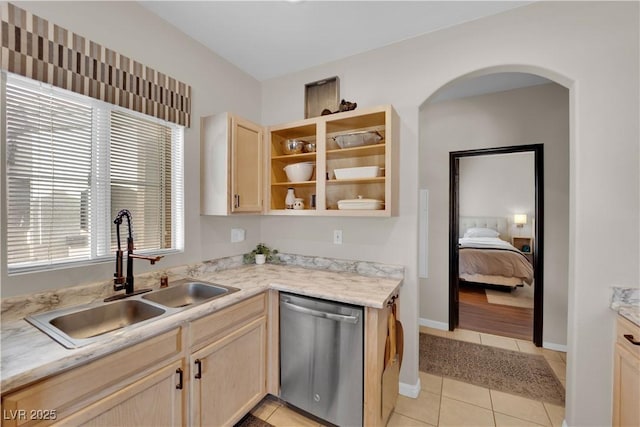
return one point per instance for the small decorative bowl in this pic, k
(309, 147)
(292, 146)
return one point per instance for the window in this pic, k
(72, 163)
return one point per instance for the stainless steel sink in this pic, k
(76, 327)
(187, 293)
(81, 325)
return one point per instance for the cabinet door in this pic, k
(626, 388)
(228, 376)
(246, 170)
(156, 400)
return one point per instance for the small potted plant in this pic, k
(260, 255)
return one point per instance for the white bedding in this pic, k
(485, 243)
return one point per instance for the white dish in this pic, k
(298, 172)
(356, 173)
(360, 204)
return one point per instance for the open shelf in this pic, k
(329, 156)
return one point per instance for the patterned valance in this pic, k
(38, 49)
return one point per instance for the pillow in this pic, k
(480, 232)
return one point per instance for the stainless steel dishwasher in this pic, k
(321, 358)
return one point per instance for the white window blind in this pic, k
(141, 178)
(71, 164)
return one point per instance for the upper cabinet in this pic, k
(354, 164)
(343, 164)
(231, 168)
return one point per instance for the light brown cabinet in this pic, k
(229, 363)
(156, 400)
(105, 389)
(328, 157)
(231, 165)
(626, 377)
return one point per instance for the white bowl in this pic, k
(356, 173)
(298, 172)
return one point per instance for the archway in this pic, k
(439, 198)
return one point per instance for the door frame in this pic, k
(538, 241)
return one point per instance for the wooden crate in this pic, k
(321, 94)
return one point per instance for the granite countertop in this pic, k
(29, 355)
(626, 301)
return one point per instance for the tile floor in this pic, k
(447, 402)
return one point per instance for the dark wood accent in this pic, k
(538, 255)
(454, 314)
(477, 314)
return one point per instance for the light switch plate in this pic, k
(237, 235)
(337, 237)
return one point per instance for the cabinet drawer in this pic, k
(218, 324)
(67, 392)
(626, 327)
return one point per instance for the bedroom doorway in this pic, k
(487, 297)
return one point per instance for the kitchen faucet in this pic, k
(120, 282)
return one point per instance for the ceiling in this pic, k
(268, 39)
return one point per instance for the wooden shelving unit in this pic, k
(329, 156)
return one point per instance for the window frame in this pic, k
(100, 221)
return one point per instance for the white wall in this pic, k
(216, 85)
(590, 47)
(532, 115)
(503, 185)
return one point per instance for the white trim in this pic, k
(564, 423)
(555, 347)
(433, 324)
(410, 390)
(423, 234)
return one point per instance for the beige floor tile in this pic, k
(559, 368)
(431, 383)
(456, 413)
(432, 331)
(503, 420)
(528, 347)
(496, 341)
(265, 408)
(466, 335)
(399, 420)
(563, 356)
(285, 417)
(424, 408)
(519, 407)
(555, 413)
(552, 355)
(465, 392)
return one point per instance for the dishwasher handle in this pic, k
(322, 314)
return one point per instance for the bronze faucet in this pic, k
(120, 282)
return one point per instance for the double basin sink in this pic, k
(81, 325)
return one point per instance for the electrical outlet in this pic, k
(337, 237)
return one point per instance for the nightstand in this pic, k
(520, 243)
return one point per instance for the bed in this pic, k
(485, 257)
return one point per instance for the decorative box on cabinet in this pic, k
(329, 156)
(231, 165)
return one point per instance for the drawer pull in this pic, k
(179, 385)
(198, 363)
(629, 338)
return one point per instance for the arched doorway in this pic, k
(437, 199)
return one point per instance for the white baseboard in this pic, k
(555, 347)
(433, 324)
(410, 390)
